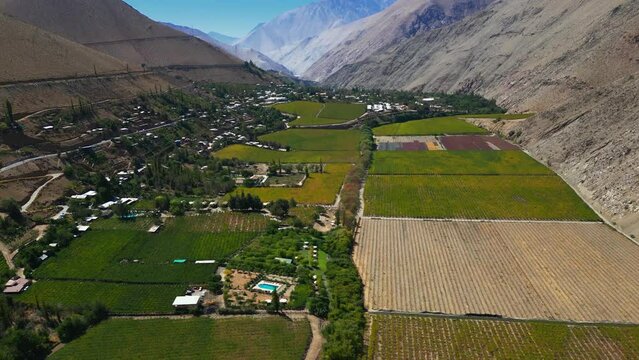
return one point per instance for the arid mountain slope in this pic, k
(29, 53)
(402, 20)
(113, 27)
(279, 36)
(575, 63)
(245, 54)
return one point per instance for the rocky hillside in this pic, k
(402, 20)
(113, 27)
(29, 53)
(245, 54)
(279, 36)
(575, 63)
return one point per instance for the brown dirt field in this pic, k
(476, 142)
(20, 190)
(53, 192)
(563, 271)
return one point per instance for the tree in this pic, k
(275, 303)
(8, 114)
(279, 208)
(72, 328)
(162, 203)
(21, 344)
(178, 207)
(121, 210)
(12, 208)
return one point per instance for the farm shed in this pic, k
(186, 302)
(16, 286)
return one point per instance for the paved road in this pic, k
(35, 194)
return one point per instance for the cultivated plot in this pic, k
(134, 255)
(562, 271)
(314, 113)
(434, 126)
(197, 338)
(396, 337)
(456, 163)
(316, 139)
(318, 189)
(476, 142)
(257, 155)
(474, 197)
(118, 298)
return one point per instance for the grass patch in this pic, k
(119, 298)
(474, 197)
(125, 251)
(456, 163)
(318, 189)
(256, 155)
(315, 139)
(314, 113)
(434, 126)
(232, 338)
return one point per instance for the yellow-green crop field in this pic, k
(314, 113)
(316, 139)
(435, 126)
(318, 189)
(256, 155)
(474, 197)
(196, 338)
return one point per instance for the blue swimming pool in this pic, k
(267, 287)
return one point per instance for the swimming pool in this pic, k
(267, 287)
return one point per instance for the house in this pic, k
(83, 228)
(154, 229)
(16, 286)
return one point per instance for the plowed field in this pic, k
(565, 271)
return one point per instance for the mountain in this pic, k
(404, 19)
(256, 57)
(29, 53)
(224, 39)
(279, 36)
(576, 64)
(115, 28)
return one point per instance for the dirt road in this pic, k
(35, 194)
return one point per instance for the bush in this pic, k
(72, 328)
(22, 344)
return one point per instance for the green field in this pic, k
(313, 113)
(197, 338)
(318, 189)
(434, 126)
(474, 197)
(126, 252)
(119, 298)
(316, 139)
(256, 155)
(497, 116)
(511, 162)
(411, 337)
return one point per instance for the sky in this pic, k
(229, 17)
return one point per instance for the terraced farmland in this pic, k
(434, 126)
(196, 338)
(314, 113)
(474, 197)
(549, 270)
(409, 337)
(318, 189)
(316, 139)
(133, 255)
(456, 163)
(256, 155)
(118, 298)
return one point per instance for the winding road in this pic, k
(35, 194)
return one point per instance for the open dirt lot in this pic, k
(564, 271)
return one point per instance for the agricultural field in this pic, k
(118, 253)
(474, 197)
(196, 338)
(435, 126)
(318, 189)
(400, 337)
(456, 163)
(497, 116)
(254, 154)
(313, 113)
(118, 298)
(315, 139)
(557, 271)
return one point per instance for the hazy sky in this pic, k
(229, 17)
